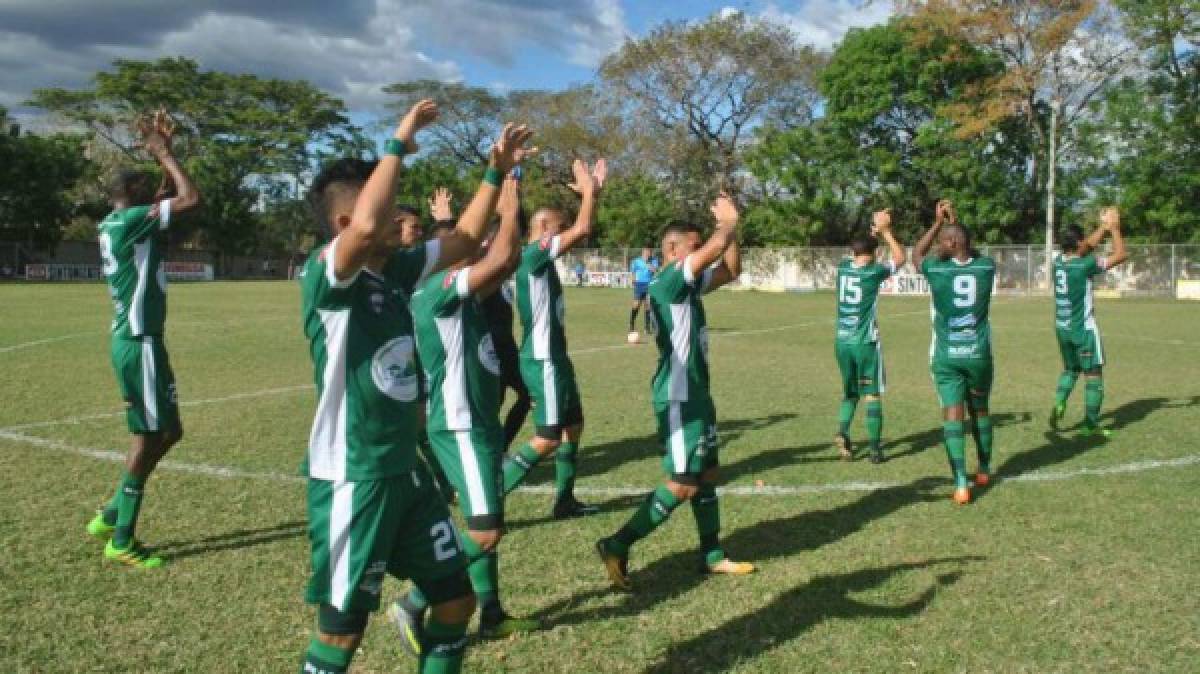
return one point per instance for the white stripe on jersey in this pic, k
(549, 393)
(676, 438)
(471, 473)
(681, 349)
(137, 307)
(327, 441)
(455, 401)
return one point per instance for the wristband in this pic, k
(492, 176)
(395, 146)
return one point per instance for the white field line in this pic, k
(46, 340)
(227, 472)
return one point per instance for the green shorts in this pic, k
(147, 384)
(862, 369)
(471, 460)
(1081, 350)
(954, 379)
(361, 530)
(556, 402)
(688, 433)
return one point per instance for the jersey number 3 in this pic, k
(108, 262)
(1060, 281)
(964, 291)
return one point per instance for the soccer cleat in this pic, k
(729, 567)
(1056, 414)
(962, 495)
(569, 507)
(410, 625)
(844, 447)
(98, 528)
(982, 478)
(1096, 431)
(877, 458)
(134, 555)
(507, 626)
(617, 566)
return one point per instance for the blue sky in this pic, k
(352, 48)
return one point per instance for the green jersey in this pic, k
(858, 290)
(961, 296)
(360, 336)
(131, 251)
(682, 337)
(1073, 304)
(540, 302)
(456, 349)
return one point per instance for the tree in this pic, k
(468, 117)
(37, 174)
(239, 135)
(706, 86)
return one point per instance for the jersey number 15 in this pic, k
(849, 290)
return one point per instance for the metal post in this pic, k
(1174, 275)
(1028, 270)
(1052, 172)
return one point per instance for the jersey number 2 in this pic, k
(445, 544)
(964, 291)
(850, 291)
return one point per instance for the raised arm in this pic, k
(587, 185)
(502, 256)
(157, 133)
(881, 226)
(468, 234)
(943, 213)
(439, 206)
(1110, 220)
(726, 214)
(375, 201)
(729, 269)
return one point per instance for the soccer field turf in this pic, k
(1083, 556)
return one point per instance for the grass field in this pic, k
(1082, 557)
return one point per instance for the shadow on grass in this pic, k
(233, 540)
(615, 503)
(792, 613)
(670, 577)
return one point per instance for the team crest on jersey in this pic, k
(394, 370)
(487, 355)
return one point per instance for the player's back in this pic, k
(540, 301)
(1074, 308)
(961, 296)
(681, 335)
(131, 256)
(857, 296)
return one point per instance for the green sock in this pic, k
(483, 568)
(952, 431)
(415, 600)
(1093, 398)
(707, 511)
(983, 443)
(875, 423)
(323, 658)
(109, 513)
(846, 415)
(517, 465)
(564, 470)
(443, 649)
(1066, 384)
(655, 510)
(129, 502)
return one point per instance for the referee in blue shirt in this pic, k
(643, 269)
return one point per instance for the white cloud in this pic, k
(823, 23)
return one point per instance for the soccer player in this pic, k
(372, 507)
(1075, 320)
(859, 356)
(457, 351)
(683, 405)
(960, 285)
(642, 268)
(545, 366)
(497, 308)
(132, 246)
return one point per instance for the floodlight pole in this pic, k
(1052, 173)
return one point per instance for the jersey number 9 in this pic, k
(964, 291)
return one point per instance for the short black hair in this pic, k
(863, 244)
(405, 209)
(681, 227)
(1070, 237)
(340, 173)
(130, 184)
